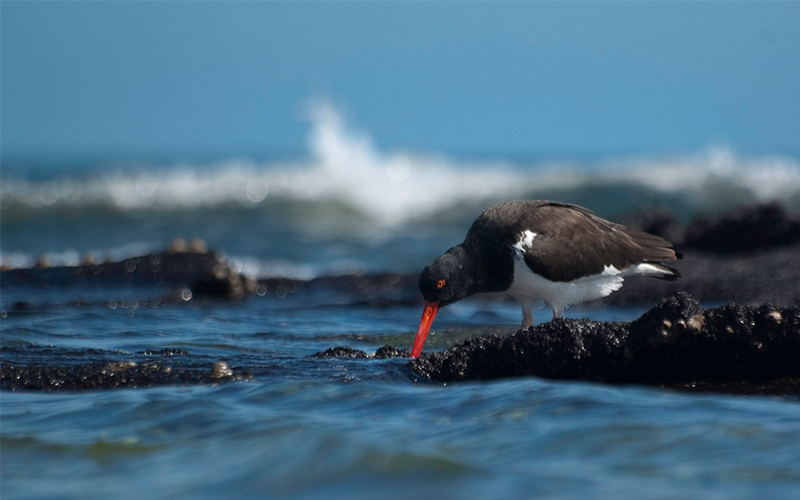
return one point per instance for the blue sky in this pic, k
(100, 79)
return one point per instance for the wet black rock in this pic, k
(224, 282)
(164, 352)
(563, 349)
(388, 351)
(677, 342)
(102, 376)
(763, 277)
(50, 368)
(340, 352)
(204, 273)
(384, 352)
(748, 256)
(676, 345)
(743, 230)
(221, 370)
(747, 229)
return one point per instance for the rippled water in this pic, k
(302, 427)
(365, 428)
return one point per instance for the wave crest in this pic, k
(389, 188)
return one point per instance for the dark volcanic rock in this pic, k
(384, 352)
(204, 273)
(106, 376)
(747, 229)
(748, 256)
(50, 368)
(562, 349)
(164, 352)
(340, 352)
(222, 281)
(388, 351)
(676, 344)
(764, 277)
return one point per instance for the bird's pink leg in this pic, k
(527, 317)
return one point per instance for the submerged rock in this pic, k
(205, 273)
(104, 376)
(222, 281)
(50, 368)
(384, 352)
(221, 370)
(677, 344)
(746, 229)
(747, 256)
(340, 352)
(388, 351)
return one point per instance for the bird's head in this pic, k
(444, 281)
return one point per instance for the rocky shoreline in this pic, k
(108, 370)
(748, 259)
(677, 345)
(748, 256)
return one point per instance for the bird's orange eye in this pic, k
(440, 284)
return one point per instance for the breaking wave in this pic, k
(344, 167)
(346, 206)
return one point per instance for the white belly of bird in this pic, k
(528, 287)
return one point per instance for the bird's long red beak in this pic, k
(431, 308)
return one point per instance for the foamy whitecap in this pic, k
(347, 206)
(390, 188)
(394, 187)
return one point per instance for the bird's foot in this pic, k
(527, 319)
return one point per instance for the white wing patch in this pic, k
(610, 271)
(525, 242)
(528, 286)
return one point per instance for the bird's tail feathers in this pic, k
(666, 273)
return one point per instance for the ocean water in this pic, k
(303, 427)
(345, 206)
(322, 428)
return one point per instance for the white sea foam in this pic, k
(766, 178)
(348, 192)
(344, 166)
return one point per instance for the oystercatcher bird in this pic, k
(540, 250)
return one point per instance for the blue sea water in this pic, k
(364, 428)
(322, 428)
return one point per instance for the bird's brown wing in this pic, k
(572, 243)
